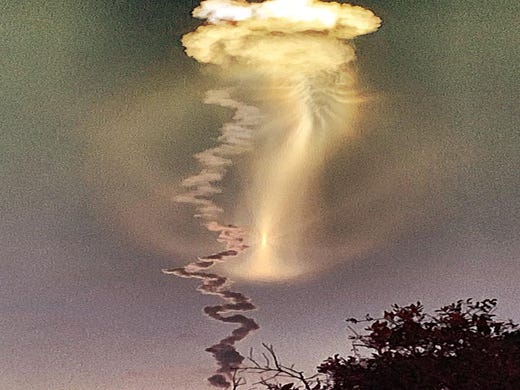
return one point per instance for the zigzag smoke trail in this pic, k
(235, 139)
(294, 57)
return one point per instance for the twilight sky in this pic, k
(101, 115)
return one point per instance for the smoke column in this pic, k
(292, 58)
(235, 139)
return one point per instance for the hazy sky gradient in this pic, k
(101, 113)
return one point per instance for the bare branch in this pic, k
(273, 370)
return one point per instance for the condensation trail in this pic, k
(213, 284)
(235, 139)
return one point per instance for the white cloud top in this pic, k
(296, 15)
(278, 35)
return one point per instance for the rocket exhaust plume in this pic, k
(235, 139)
(292, 58)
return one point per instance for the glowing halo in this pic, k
(299, 52)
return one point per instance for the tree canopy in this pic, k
(461, 346)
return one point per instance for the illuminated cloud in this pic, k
(278, 35)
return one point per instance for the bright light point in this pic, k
(264, 265)
(269, 259)
(264, 240)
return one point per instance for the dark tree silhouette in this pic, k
(461, 346)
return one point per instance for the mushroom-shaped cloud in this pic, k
(278, 35)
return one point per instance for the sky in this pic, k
(101, 115)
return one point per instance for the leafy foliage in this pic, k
(460, 347)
